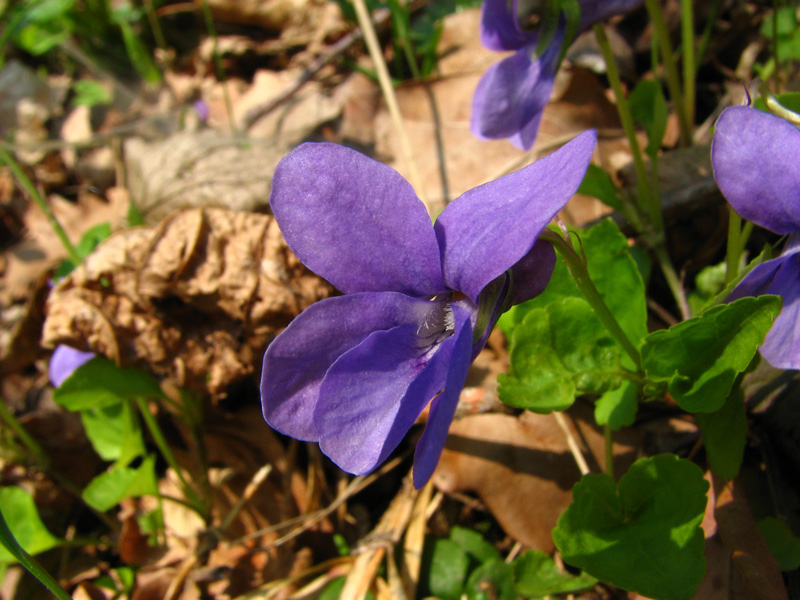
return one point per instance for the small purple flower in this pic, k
(64, 361)
(354, 372)
(512, 94)
(756, 160)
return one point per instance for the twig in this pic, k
(572, 443)
(371, 39)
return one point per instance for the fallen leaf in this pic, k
(196, 299)
(522, 468)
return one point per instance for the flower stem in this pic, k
(577, 268)
(671, 69)
(687, 40)
(220, 68)
(158, 437)
(28, 186)
(734, 251)
(625, 115)
(673, 281)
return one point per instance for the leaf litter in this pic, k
(196, 295)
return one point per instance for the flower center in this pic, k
(437, 324)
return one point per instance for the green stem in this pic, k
(577, 268)
(673, 281)
(625, 116)
(155, 25)
(608, 435)
(218, 64)
(28, 186)
(734, 250)
(161, 442)
(31, 564)
(673, 81)
(687, 39)
(40, 457)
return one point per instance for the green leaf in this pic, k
(598, 184)
(89, 241)
(649, 109)
(19, 512)
(783, 544)
(493, 580)
(700, 358)
(100, 382)
(536, 575)
(89, 92)
(725, 435)
(114, 431)
(108, 489)
(473, 543)
(614, 273)
(557, 353)
(617, 408)
(647, 538)
(448, 570)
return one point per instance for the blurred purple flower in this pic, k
(756, 160)
(202, 110)
(354, 372)
(64, 361)
(512, 94)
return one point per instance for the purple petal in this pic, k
(491, 228)
(429, 447)
(781, 277)
(500, 28)
(356, 222)
(373, 394)
(756, 159)
(512, 94)
(296, 361)
(64, 361)
(532, 274)
(594, 11)
(527, 135)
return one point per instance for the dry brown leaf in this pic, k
(753, 564)
(195, 299)
(198, 169)
(522, 469)
(301, 21)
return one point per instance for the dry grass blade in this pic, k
(374, 547)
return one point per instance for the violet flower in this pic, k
(354, 372)
(512, 94)
(63, 362)
(756, 160)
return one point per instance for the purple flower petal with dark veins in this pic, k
(756, 159)
(355, 221)
(296, 362)
(780, 277)
(375, 392)
(64, 361)
(354, 372)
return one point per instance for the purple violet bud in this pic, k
(354, 372)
